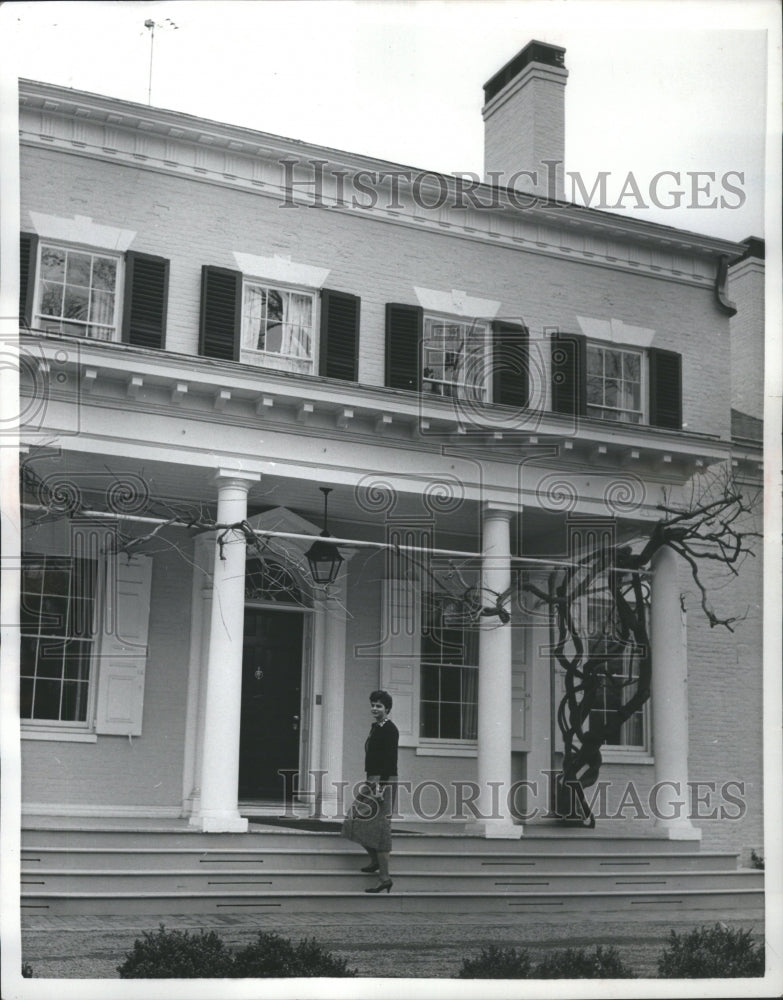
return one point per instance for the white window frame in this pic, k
(68, 726)
(273, 359)
(54, 325)
(445, 741)
(443, 387)
(594, 410)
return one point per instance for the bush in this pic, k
(711, 952)
(180, 955)
(756, 861)
(497, 963)
(576, 963)
(177, 955)
(273, 956)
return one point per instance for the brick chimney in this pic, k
(524, 120)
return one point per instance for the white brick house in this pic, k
(217, 319)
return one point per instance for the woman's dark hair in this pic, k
(383, 697)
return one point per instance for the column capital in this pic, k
(491, 508)
(240, 479)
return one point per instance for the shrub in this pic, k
(497, 963)
(576, 963)
(27, 970)
(177, 955)
(273, 956)
(756, 861)
(711, 952)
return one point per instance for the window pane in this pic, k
(450, 722)
(429, 683)
(77, 664)
(53, 263)
(632, 366)
(595, 361)
(613, 364)
(54, 615)
(47, 700)
(78, 267)
(51, 299)
(429, 720)
(74, 707)
(102, 307)
(595, 388)
(611, 396)
(450, 684)
(26, 698)
(76, 303)
(50, 658)
(104, 273)
(28, 651)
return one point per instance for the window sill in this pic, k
(446, 751)
(627, 757)
(61, 736)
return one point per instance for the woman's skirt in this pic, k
(368, 821)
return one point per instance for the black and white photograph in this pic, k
(390, 426)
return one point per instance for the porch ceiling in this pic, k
(95, 478)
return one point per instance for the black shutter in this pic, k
(339, 346)
(510, 360)
(144, 304)
(221, 311)
(403, 346)
(569, 373)
(665, 389)
(28, 253)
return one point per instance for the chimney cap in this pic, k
(755, 247)
(540, 52)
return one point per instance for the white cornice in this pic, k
(172, 142)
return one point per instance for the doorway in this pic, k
(269, 736)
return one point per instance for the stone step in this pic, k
(558, 841)
(173, 882)
(348, 858)
(704, 906)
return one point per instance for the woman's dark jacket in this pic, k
(380, 750)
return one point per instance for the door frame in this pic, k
(306, 673)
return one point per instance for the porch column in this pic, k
(218, 811)
(494, 689)
(333, 707)
(669, 697)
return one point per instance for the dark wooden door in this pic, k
(271, 697)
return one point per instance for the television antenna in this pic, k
(151, 25)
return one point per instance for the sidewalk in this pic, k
(381, 945)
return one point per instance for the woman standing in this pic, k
(369, 820)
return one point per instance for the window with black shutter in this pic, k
(339, 336)
(665, 389)
(404, 326)
(569, 369)
(221, 310)
(146, 294)
(510, 361)
(28, 254)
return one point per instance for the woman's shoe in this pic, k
(372, 867)
(381, 887)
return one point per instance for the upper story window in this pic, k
(278, 327)
(82, 291)
(57, 615)
(622, 384)
(455, 358)
(271, 325)
(77, 292)
(616, 387)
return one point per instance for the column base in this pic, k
(494, 829)
(222, 823)
(677, 829)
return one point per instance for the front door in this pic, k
(271, 698)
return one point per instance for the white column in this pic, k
(494, 689)
(333, 707)
(669, 696)
(218, 808)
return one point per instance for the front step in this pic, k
(176, 870)
(703, 905)
(348, 860)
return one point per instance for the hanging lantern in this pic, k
(324, 557)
